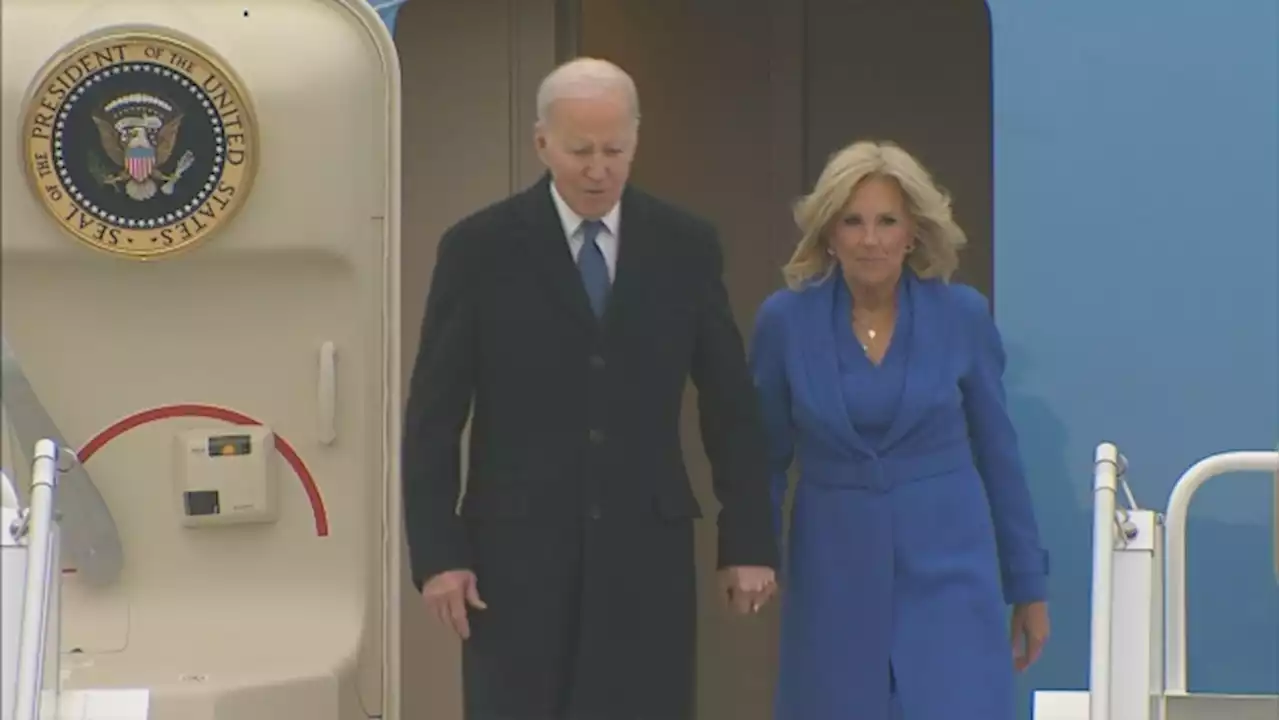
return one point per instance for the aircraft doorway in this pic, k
(742, 103)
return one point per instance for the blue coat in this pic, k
(909, 539)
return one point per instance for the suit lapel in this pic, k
(924, 358)
(825, 389)
(549, 252)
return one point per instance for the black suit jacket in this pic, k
(575, 417)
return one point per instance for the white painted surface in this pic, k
(1060, 705)
(103, 705)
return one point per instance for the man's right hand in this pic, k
(449, 594)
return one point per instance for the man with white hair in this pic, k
(567, 319)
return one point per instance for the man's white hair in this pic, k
(586, 78)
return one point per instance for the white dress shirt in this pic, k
(607, 238)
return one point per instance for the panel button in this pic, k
(596, 436)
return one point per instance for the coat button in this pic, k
(597, 362)
(596, 436)
(594, 512)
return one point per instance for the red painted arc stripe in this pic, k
(165, 412)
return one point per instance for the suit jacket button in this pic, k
(596, 436)
(597, 362)
(594, 512)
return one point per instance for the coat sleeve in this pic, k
(1024, 564)
(436, 411)
(730, 425)
(768, 370)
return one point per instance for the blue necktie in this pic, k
(591, 264)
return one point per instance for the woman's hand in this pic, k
(1028, 632)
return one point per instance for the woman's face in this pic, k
(873, 234)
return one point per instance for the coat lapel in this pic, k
(639, 260)
(925, 357)
(549, 251)
(822, 369)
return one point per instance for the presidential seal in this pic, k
(140, 145)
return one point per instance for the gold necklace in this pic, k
(888, 313)
(866, 346)
(871, 336)
(870, 332)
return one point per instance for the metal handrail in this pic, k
(1107, 464)
(38, 526)
(1175, 610)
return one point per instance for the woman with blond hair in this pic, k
(912, 528)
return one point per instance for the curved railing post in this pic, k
(1175, 572)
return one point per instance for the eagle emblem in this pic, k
(138, 132)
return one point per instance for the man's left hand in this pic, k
(746, 589)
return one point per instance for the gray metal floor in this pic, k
(1208, 706)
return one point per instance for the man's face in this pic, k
(588, 145)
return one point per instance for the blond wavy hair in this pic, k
(938, 239)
